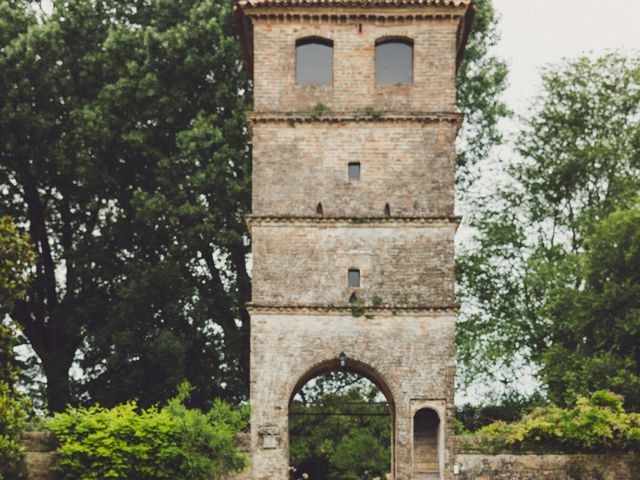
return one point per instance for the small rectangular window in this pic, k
(354, 277)
(354, 171)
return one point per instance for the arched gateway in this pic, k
(358, 285)
(342, 404)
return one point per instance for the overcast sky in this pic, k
(539, 32)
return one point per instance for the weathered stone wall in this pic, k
(473, 466)
(434, 65)
(404, 138)
(40, 455)
(476, 466)
(401, 264)
(407, 164)
(412, 358)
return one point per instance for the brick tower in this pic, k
(354, 129)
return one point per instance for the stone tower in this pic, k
(354, 129)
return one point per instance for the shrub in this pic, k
(12, 415)
(129, 443)
(17, 256)
(471, 418)
(13, 409)
(595, 424)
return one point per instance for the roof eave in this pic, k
(465, 31)
(245, 27)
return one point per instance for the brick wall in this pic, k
(401, 264)
(404, 138)
(413, 356)
(407, 164)
(475, 466)
(433, 88)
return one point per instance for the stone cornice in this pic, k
(355, 310)
(377, 14)
(346, 117)
(357, 3)
(391, 11)
(285, 220)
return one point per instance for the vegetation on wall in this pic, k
(597, 423)
(129, 443)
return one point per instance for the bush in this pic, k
(12, 413)
(471, 418)
(595, 424)
(126, 442)
(17, 256)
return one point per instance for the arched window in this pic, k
(314, 61)
(394, 61)
(426, 427)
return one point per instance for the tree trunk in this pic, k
(56, 365)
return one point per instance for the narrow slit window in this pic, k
(354, 277)
(354, 171)
(314, 61)
(387, 210)
(394, 61)
(353, 298)
(319, 209)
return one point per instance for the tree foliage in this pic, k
(580, 162)
(339, 430)
(595, 343)
(482, 78)
(16, 262)
(124, 151)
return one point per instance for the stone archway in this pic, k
(341, 420)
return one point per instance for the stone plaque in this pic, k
(270, 436)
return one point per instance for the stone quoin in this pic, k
(352, 225)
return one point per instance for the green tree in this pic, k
(481, 80)
(16, 262)
(340, 429)
(595, 342)
(580, 161)
(124, 151)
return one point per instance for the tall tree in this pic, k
(123, 149)
(595, 341)
(481, 80)
(580, 160)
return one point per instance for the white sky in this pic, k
(538, 32)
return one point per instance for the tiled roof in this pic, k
(354, 3)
